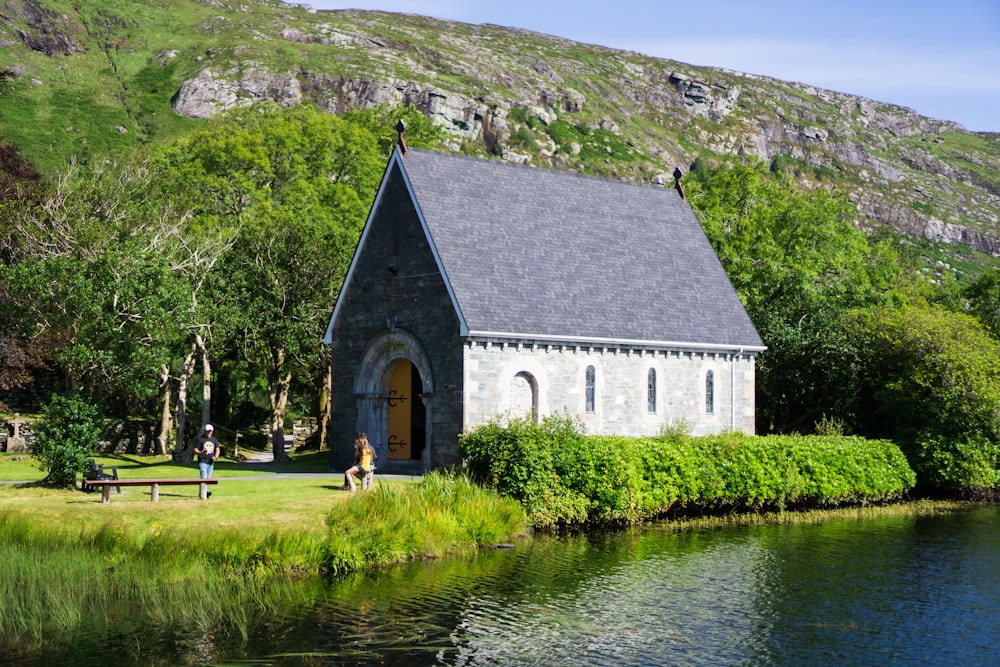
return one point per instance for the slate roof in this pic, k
(538, 253)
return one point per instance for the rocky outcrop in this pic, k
(44, 30)
(701, 98)
(210, 93)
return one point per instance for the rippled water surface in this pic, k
(892, 591)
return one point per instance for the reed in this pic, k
(70, 562)
(61, 581)
(445, 514)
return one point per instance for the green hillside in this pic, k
(90, 78)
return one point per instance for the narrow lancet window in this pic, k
(710, 392)
(591, 389)
(651, 390)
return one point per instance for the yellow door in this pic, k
(400, 410)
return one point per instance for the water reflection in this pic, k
(900, 590)
(891, 591)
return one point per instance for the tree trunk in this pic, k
(279, 380)
(206, 386)
(323, 409)
(187, 370)
(166, 419)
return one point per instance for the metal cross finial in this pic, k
(400, 128)
(677, 181)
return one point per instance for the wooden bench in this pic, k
(153, 484)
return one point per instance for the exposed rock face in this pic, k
(705, 99)
(45, 30)
(462, 116)
(208, 93)
(794, 126)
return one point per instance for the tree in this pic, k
(19, 358)
(20, 186)
(984, 300)
(65, 439)
(108, 272)
(933, 382)
(382, 121)
(111, 312)
(292, 187)
(799, 265)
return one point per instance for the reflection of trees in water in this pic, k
(421, 613)
(402, 615)
(599, 599)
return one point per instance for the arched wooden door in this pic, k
(407, 414)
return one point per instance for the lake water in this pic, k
(888, 591)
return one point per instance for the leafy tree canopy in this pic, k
(799, 265)
(933, 381)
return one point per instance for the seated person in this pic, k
(364, 457)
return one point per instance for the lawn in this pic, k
(22, 467)
(256, 506)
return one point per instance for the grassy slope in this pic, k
(125, 79)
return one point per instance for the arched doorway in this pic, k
(407, 413)
(395, 367)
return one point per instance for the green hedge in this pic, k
(565, 478)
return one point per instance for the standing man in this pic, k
(207, 449)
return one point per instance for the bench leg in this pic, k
(367, 481)
(154, 492)
(105, 494)
(203, 491)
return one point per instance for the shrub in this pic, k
(564, 478)
(967, 463)
(516, 459)
(65, 438)
(830, 426)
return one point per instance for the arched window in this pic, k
(710, 392)
(651, 390)
(591, 389)
(524, 396)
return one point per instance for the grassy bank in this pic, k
(74, 566)
(70, 560)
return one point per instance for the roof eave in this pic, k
(627, 342)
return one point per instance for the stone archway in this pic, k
(372, 392)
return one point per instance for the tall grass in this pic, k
(62, 572)
(61, 581)
(445, 514)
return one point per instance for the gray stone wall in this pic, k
(494, 387)
(396, 286)
(130, 436)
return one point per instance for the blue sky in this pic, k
(941, 59)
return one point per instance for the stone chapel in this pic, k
(481, 289)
